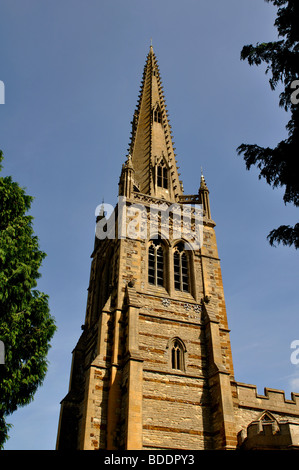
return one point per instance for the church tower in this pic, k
(153, 367)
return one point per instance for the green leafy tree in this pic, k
(26, 326)
(279, 165)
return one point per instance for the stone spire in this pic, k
(151, 146)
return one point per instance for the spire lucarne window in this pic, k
(157, 115)
(162, 176)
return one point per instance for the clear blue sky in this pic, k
(72, 71)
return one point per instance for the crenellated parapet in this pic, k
(272, 400)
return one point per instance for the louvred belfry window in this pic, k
(156, 263)
(180, 266)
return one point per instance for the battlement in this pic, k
(272, 400)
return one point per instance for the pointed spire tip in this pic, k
(151, 46)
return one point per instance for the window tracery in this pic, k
(180, 267)
(177, 354)
(156, 263)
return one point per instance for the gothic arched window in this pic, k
(162, 176)
(156, 263)
(157, 115)
(181, 269)
(177, 353)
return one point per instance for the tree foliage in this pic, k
(26, 326)
(279, 166)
